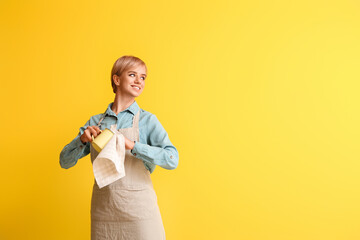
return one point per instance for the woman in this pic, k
(127, 208)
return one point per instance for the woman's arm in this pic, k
(159, 150)
(75, 150)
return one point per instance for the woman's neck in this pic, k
(121, 103)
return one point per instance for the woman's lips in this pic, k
(136, 87)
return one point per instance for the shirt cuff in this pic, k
(135, 150)
(79, 144)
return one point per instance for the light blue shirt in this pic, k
(154, 147)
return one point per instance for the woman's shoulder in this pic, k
(150, 122)
(145, 115)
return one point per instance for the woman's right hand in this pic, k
(90, 131)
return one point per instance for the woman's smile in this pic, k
(137, 88)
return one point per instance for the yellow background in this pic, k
(261, 99)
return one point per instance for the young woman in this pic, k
(126, 209)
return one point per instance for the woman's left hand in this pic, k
(128, 143)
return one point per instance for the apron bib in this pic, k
(126, 209)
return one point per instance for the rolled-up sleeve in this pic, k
(75, 150)
(159, 150)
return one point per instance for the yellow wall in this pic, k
(261, 98)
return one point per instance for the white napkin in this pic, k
(108, 166)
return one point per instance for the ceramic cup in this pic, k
(102, 139)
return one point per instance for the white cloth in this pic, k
(109, 163)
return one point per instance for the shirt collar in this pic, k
(133, 108)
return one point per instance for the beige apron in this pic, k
(126, 209)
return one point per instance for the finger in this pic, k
(93, 132)
(97, 129)
(88, 136)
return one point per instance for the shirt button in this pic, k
(171, 157)
(134, 154)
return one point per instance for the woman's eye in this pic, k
(132, 74)
(143, 78)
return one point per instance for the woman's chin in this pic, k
(135, 94)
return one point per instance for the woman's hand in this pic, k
(129, 144)
(95, 131)
(90, 131)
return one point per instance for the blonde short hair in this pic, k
(123, 64)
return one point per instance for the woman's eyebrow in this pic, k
(136, 72)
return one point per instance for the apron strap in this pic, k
(102, 118)
(136, 120)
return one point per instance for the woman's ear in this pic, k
(116, 79)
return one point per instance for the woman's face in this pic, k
(131, 79)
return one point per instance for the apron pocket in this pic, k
(124, 205)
